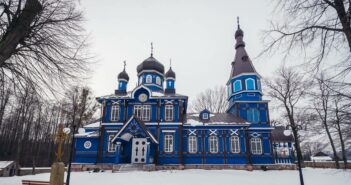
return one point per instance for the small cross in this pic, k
(124, 64)
(237, 20)
(152, 49)
(170, 63)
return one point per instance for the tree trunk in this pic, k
(345, 21)
(338, 128)
(336, 158)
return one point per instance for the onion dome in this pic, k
(123, 75)
(151, 64)
(170, 73)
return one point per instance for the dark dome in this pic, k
(151, 64)
(170, 73)
(239, 32)
(123, 75)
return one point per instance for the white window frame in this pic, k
(168, 143)
(148, 79)
(111, 147)
(142, 112)
(256, 145)
(192, 144)
(241, 87)
(205, 115)
(213, 144)
(169, 112)
(158, 80)
(235, 144)
(253, 110)
(258, 84)
(115, 112)
(253, 82)
(140, 80)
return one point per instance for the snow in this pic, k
(200, 177)
(193, 122)
(87, 134)
(93, 125)
(4, 164)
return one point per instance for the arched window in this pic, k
(158, 80)
(192, 144)
(237, 86)
(140, 80)
(213, 144)
(253, 115)
(148, 79)
(250, 84)
(114, 113)
(256, 145)
(235, 144)
(228, 90)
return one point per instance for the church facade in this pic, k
(151, 125)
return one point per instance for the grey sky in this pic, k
(198, 35)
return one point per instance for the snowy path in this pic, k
(200, 177)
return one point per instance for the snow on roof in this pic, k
(87, 134)
(4, 164)
(93, 125)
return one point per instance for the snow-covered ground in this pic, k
(199, 177)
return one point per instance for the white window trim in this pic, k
(241, 87)
(256, 146)
(168, 143)
(169, 108)
(111, 147)
(235, 144)
(254, 85)
(145, 112)
(158, 80)
(213, 144)
(253, 110)
(258, 84)
(192, 144)
(115, 112)
(148, 79)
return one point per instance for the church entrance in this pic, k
(139, 150)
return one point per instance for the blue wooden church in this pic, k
(151, 125)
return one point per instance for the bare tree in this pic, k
(314, 27)
(42, 42)
(214, 100)
(288, 88)
(321, 104)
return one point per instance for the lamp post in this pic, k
(70, 156)
(295, 128)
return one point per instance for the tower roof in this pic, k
(242, 62)
(170, 73)
(123, 75)
(151, 64)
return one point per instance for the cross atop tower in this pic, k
(237, 21)
(124, 65)
(152, 49)
(170, 63)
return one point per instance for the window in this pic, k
(204, 115)
(256, 145)
(142, 112)
(228, 90)
(213, 144)
(111, 146)
(235, 144)
(148, 79)
(253, 115)
(168, 143)
(158, 80)
(169, 112)
(250, 84)
(114, 112)
(192, 144)
(140, 80)
(237, 86)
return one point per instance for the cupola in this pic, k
(123, 79)
(170, 81)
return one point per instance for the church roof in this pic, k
(279, 136)
(242, 62)
(170, 73)
(215, 119)
(123, 75)
(151, 64)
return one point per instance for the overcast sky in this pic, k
(198, 35)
